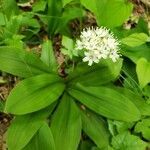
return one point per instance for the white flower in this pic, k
(98, 43)
(90, 57)
(114, 56)
(80, 45)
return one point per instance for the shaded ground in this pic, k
(5, 88)
(4, 123)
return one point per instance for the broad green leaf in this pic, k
(2, 19)
(86, 145)
(34, 93)
(66, 125)
(135, 39)
(18, 22)
(95, 148)
(116, 127)
(58, 22)
(106, 102)
(146, 93)
(97, 7)
(23, 128)
(43, 139)
(143, 72)
(108, 148)
(142, 26)
(116, 13)
(15, 25)
(54, 11)
(68, 47)
(16, 41)
(9, 7)
(67, 42)
(39, 6)
(96, 129)
(66, 2)
(110, 13)
(143, 127)
(98, 74)
(139, 102)
(21, 63)
(126, 141)
(135, 53)
(130, 76)
(27, 19)
(69, 13)
(48, 57)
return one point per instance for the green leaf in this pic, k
(54, 9)
(140, 103)
(9, 7)
(96, 129)
(69, 13)
(116, 127)
(39, 6)
(98, 74)
(54, 12)
(42, 140)
(107, 148)
(106, 102)
(34, 94)
(66, 125)
(135, 39)
(135, 53)
(68, 43)
(68, 47)
(86, 145)
(126, 141)
(95, 148)
(2, 19)
(19, 22)
(58, 22)
(143, 72)
(16, 41)
(97, 7)
(16, 23)
(110, 13)
(28, 20)
(66, 2)
(143, 127)
(23, 128)
(48, 57)
(21, 63)
(146, 94)
(24, 21)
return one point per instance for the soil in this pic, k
(5, 119)
(4, 123)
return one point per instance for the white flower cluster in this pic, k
(98, 43)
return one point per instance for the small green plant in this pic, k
(97, 98)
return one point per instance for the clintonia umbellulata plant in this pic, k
(86, 108)
(44, 91)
